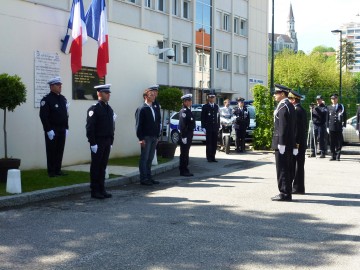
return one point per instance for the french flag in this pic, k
(96, 25)
(78, 35)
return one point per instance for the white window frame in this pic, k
(202, 62)
(163, 3)
(186, 54)
(236, 25)
(218, 60)
(226, 22)
(147, 3)
(175, 47)
(186, 9)
(243, 27)
(175, 7)
(218, 19)
(161, 45)
(225, 61)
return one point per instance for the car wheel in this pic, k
(175, 136)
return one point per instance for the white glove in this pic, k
(184, 140)
(281, 148)
(66, 132)
(51, 134)
(295, 151)
(204, 130)
(94, 148)
(327, 129)
(357, 132)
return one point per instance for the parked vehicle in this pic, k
(349, 132)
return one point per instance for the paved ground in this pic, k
(222, 218)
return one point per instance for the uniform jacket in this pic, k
(157, 108)
(186, 123)
(301, 123)
(146, 125)
(210, 117)
(284, 125)
(54, 113)
(319, 114)
(336, 118)
(100, 122)
(242, 120)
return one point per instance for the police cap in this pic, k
(319, 97)
(186, 97)
(103, 88)
(240, 99)
(334, 95)
(211, 93)
(55, 80)
(281, 88)
(154, 87)
(294, 94)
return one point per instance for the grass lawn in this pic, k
(38, 179)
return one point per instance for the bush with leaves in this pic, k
(264, 107)
(12, 94)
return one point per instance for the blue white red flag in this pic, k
(96, 24)
(78, 37)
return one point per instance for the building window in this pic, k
(175, 7)
(202, 62)
(242, 64)
(185, 54)
(186, 6)
(226, 25)
(243, 28)
(176, 52)
(218, 20)
(161, 46)
(148, 3)
(237, 64)
(236, 25)
(225, 63)
(161, 5)
(218, 60)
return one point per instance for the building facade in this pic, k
(218, 44)
(351, 32)
(289, 39)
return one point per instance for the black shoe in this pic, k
(97, 195)
(186, 174)
(331, 159)
(322, 155)
(146, 183)
(61, 173)
(154, 182)
(107, 195)
(214, 160)
(282, 198)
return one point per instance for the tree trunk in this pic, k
(5, 137)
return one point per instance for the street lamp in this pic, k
(272, 52)
(340, 59)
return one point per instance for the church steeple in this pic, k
(291, 27)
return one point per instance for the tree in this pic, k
(322, 49)
(348, 54)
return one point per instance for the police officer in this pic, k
(335, 122)
(100, 128)
(298, 173)
(186, 127)
(241, 124)
(319, 113)
(54, 117)
(283, 142)
(210, 123)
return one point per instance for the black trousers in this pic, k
(98, 165)
(54, 152)
(184, 155)
(336, 140)
(298, 171)
(211, 144)
(240, 138)
(319, 132)
(283, 171)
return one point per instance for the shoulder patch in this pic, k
(91, 113)
(183, 115)
(42, 103)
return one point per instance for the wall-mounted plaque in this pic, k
(83, 83)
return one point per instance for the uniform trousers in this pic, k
(336, 139)
(240, 138)
(319, 133)
(55, 152)
(283, 170)
(99, 161)
(184, 155)
(146, 157)
(211, 144)
(299, 172)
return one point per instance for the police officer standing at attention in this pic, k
(283, 142)
(319, 113)
(335, 122)
(210, 123)
(100, 129)
(186, 127)
(54, 117)
(298, 176)
(241, 124)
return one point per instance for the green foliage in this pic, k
(264, 107)
(170, 98)
(323, 49)
(12, 92)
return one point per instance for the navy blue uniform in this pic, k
(186, 127)
(54, 116)
(335, 121)
(210, 120)
(100, 129)
(319, 114)
(241, 124)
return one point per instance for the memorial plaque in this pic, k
(83, 83)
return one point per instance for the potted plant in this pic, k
(12, 94)
(169, 99)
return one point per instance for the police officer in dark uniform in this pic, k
(100, 129)
(335, 122)
(210, 123)
(241, 124)
(54, 117)
(319, 113)
(283, 142)
(298, 172)
(186, 127)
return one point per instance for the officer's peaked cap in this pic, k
(186, 97)
(281, 88)
(334, 95)
(294, 94)
(240, 99)
(103, 88)
(319, 97)
(211, 93)
(54, 80)
(154, 87)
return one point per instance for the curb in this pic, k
(52, 193)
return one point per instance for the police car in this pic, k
(199, 135)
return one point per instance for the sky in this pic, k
(314, 20)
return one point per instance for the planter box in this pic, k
(166, 149)
(7, 164)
